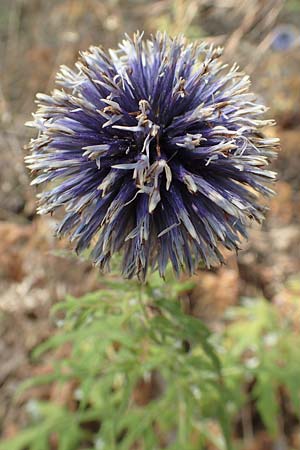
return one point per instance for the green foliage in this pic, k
(123, 336)
(266, 349)
(149, 376)
(292, 5)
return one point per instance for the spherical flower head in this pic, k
(284, 37)
(154, 150)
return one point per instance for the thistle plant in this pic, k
(154, 150)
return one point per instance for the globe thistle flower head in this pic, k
(284, 38)
(154, 150)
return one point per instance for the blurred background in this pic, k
(36, 36)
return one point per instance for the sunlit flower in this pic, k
(154, 150)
